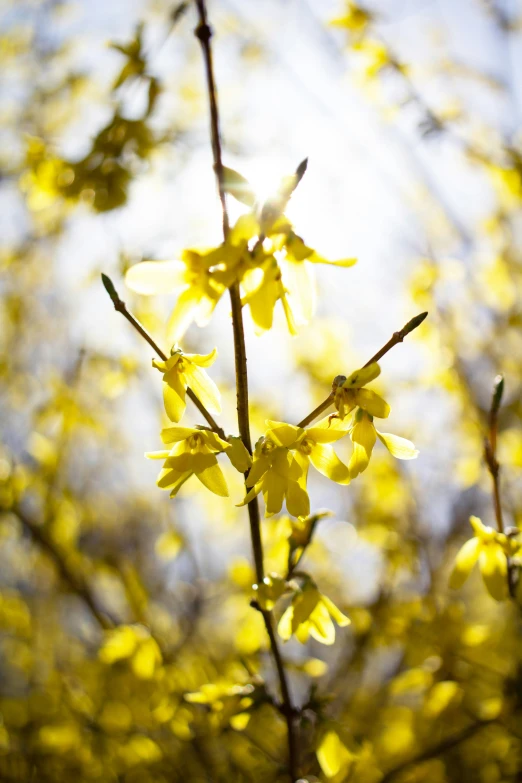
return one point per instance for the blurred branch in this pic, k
(70, 577)
(121, 307)
(438, 750)
(397, 337)
(203, 33)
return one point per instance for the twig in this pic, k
(397, 337)
(490, 456)
(121, 307)
(204, 33)
(442, 747)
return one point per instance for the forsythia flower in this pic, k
(199, 291)
(350, 393)
(491, 549)
(364, 434)
(310, 614)
(281, 460)
(194, 453)
(183, 370)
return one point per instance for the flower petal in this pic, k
(203, 387)
(369, 401)
(363, 436)
(183, 314)
(238, 454)
(258, 470)
(466, 558)
(213, 479)
(284, 627)
(283, 434)
(321, 625)
(156, 277)
(176, 434)
(401, 448)
(274, 487)
(363, 376)
(325, 460)
(297, 500)
(202, 361)
(298, 280)
(493, 567)
(174, 395)
(336, 613)
(315, 258)
(328, 430)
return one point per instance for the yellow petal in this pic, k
(479, 528)
(335, 613)
(156, 277)
(284, 627)
(283, 434)
(274, 487)
(174, 396)
(245, 228)
(202, 361)
(176, 434)
(250, 495)
(332, 755)
(258, 470)
(238, 455)
(289, 314)
(213, 479)
(369, 401)
(363, 436)
(321, 625)
(297, 500)
(183, 314)
(493, 567)
(325, 460)
(328, 430)
(466, 558)
(362, 377)
(298, 280)
(157, 454)
(315, 258)
(401, 448)
(203, 387)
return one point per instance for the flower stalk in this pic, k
(204, 33)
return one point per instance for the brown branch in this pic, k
(397, 337)
(121, 307)
(204, 33)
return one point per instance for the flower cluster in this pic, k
(491, 549)
(262, 252)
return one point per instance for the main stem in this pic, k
(204, 33)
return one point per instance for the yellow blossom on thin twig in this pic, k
(182, 370)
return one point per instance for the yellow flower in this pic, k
(355, 20)
(183, 370)
(282, 458)
(262, 287)
(363, 435)
(350, 393)
(194, 453)
(490, 548)
(191, 277)
(311, 614)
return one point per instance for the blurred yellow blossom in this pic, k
(311, 614)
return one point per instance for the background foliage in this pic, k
(128, 648)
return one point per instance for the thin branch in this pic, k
(121, 307)
(204, 33)
(490, 456)
(438, 750)
(70, 577)
(397, 337)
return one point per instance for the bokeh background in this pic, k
(409, 113)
